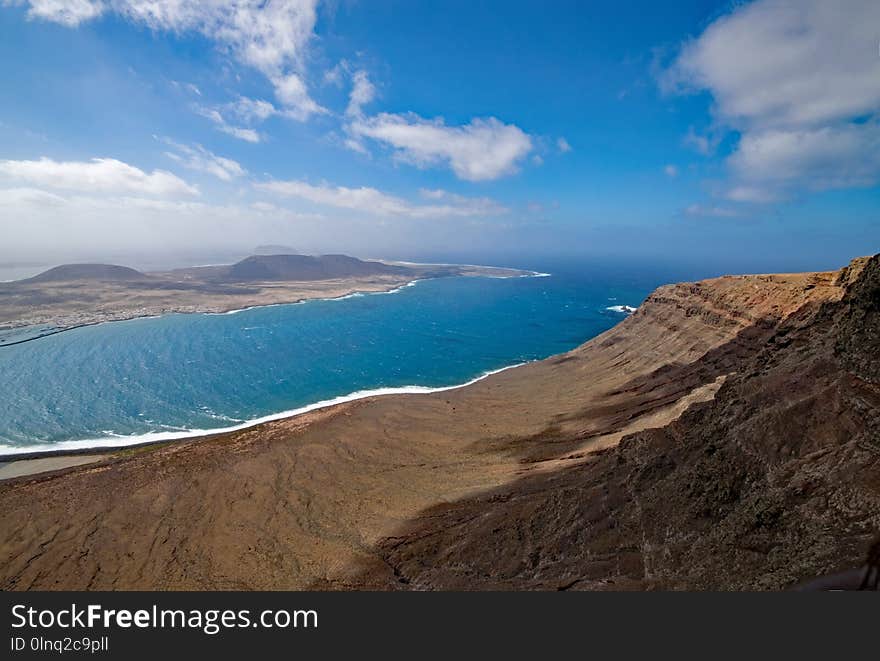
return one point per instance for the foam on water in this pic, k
(181, 375)
(112, 440)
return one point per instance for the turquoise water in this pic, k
(163, 377)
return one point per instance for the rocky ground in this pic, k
(725, 436)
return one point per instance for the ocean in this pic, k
(184, 374)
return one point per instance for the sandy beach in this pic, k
(22, 467)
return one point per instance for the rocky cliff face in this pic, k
(775, 480)
(726, 435)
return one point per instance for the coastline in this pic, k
(104, 446)
(395, 287)
(111, 444)
(56, 326)
(352, 294)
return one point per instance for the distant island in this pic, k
(73, 295)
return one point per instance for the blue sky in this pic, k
(741, 135)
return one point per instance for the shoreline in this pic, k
(110, 444)
(299, 301)
(396, 287)
(353, 294)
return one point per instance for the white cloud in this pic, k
(200, 159)
(787, 62)
(15, 197)
(240, 132)
(362, 93)
(334, 76)
(356, 145)
(481, 150)
(818, 159)
(375, 202)
(248, 135)
(252, 110)
(245, 109)
(670, 170)
(563, 146)
(66, 12)
(800, 81)
(293, 95)
(104, 175)
(270, 36)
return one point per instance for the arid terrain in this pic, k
(724, 436)
(75, 295)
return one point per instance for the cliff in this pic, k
(773, 481)
(723, 436)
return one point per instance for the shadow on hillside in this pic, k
(604, 523)
(642, 396)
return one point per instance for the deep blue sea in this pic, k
(129, 381)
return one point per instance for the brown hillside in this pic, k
(769, 476)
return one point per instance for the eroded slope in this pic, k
(493, 485)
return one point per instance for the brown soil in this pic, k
(749, 411)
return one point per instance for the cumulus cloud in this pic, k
(482, 150)
(563, 146)
(200, 159)
(271, 36)
(786, 62)
(800, 81)
(362, 93)
(769, 163)
(375, 202)
(670, 170)
(104, 175)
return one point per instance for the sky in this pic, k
(740, 135)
